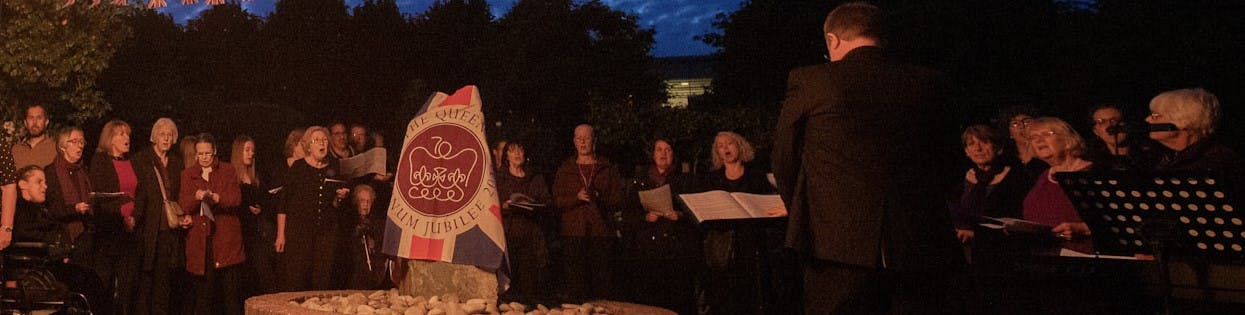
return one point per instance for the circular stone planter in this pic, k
(279, 304)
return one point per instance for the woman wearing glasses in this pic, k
(210, 194)
(1115, 151)
(1057, 144)
(1191, 147)
(68, 194)
(307, 221)
(1018, 153)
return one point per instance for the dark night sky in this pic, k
(676, 21)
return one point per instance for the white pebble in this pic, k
(416, 310)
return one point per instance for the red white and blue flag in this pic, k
(444, 205)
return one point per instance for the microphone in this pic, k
(1135, 128)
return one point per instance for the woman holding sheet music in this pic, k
(1057, 144)
(259, 219)
(69, 191)
(525, 196)
(990, 188)
(308, 218)
(746, 267)
(116, 251)
(210, 194)
(666, 245)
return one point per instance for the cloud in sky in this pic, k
(675, 21)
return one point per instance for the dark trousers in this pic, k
(217, 290)
(308, 261)
(154, 292)
(586, 262)
(116, 263)
(835, 288)
(261, 277)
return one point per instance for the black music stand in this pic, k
(1162, 213)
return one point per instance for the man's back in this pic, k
(859, 147)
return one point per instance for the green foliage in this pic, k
(53, 54)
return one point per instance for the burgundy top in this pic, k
(1047, 204)
(129, 184)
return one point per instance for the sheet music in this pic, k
(95, 194)
(714, 205)
(657, 199)
(757, 204)
(369, 162)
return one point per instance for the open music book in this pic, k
(1015, 225)
(722, 205)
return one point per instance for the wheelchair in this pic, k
(30, 266)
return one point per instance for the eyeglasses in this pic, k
(1041, 134)
(1106, 121)
(1017, 123)
(319, 141)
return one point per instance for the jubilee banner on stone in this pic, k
(444, 205)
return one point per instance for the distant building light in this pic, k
(685, 83)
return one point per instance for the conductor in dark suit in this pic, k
(858, 158)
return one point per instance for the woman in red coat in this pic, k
(210, 194)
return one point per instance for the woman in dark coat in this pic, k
(666, 244)
(69, 189)
(307, 221)
(116, 242)
(525, 239)
(163, 247)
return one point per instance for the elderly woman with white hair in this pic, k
(158, 169)
(1056, 143)
(1191, 147)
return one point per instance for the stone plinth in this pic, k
(435, 278)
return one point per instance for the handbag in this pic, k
(172, 211)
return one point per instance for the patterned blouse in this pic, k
(8, 175)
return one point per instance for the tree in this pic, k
(145, 78)
(50, 53)
(383, 52)
(221, 49)
(758, 45)
(553, 61)
(306, 53)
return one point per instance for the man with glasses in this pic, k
(339, 143)
(853, 137)
(35, 149)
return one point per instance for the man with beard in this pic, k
(35, 149)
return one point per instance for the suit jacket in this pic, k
(861, 152)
